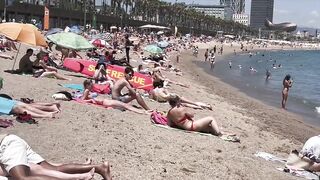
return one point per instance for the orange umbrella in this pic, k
(23, 33)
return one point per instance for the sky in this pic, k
(305, 13)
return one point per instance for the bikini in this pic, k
(183, 120)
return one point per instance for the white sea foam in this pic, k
(318, 110)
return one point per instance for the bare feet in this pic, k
(89, 175)
(104, 171)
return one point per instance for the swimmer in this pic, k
(250, 54)
(240, 66)
(230, 64)
(252, 69)
(268, 74)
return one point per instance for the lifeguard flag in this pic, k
(46, 19)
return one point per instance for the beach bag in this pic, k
(159, 118)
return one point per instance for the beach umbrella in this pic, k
(108, 37)
(23, 33)
(100, 43)
(75, 29)
(153, 49)
(54, 31)
(70, 41)
(163, 44)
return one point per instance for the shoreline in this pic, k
(284, 123)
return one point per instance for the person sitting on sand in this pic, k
(25, 64)
(287, 84)
(120, 84)
(180, 117)
(160, 94)
(100, 75)
(16, 158)
(91, 98)
(158, 77)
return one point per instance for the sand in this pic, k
(139, 150)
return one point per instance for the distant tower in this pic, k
(260, 11)
(237, 6)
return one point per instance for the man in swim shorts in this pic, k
(132, 94)
(16, 156)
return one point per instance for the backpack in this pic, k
(159, 118)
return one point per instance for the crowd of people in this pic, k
(19, 161)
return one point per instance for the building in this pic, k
(236, 6)
(211, 10)
(260, 11)
(241, 18)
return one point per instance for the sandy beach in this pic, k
(139, 150)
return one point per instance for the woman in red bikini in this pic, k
(180, 117)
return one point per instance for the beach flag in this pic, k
(46, 18)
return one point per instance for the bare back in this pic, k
(118, 86)
(175, 115)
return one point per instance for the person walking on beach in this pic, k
(128, 43)
(287, 84)
(215, 49)
(212, 60)
(206, 54)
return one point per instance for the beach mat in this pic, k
(224, 137)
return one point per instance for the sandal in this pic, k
(4, 123)
(26, 118)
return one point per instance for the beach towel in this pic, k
(159, 118)
(223, 137)
(98, 88)
(292, 164)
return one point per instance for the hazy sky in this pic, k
(305, 13)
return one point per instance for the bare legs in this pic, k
(284, 98)
(209, 125)
(121, 105)
(21, 108)
(23, 173)
(54, 74)
(139, 99)
(102, 169)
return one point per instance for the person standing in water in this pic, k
(268, 74)
(230, 64)
(287, 84)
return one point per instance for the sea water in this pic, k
(303, 66)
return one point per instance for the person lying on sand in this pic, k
(132, 94)
(48, 71)
(91, 98)
(36, 110)
(19, 161)
(36, 169)
(162, 95)
(180, 117)
(158, 77)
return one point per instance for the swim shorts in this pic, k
(6, 105)
(14, 151)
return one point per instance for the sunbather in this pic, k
(158, 77)
(48, 71)
(88, 97)
(180, 117)
(162, 95)
(309, 156)
(36, 110)
(132, 94)
(19, 161)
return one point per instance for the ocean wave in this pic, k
(318, 110)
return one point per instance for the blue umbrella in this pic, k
(163, 44)
(54, 31)
(75, 29)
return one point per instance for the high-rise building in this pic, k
(236, 6)
(260, 11)
(210, 10)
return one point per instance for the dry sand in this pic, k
(139, 150)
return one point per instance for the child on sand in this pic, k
(92, 98)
